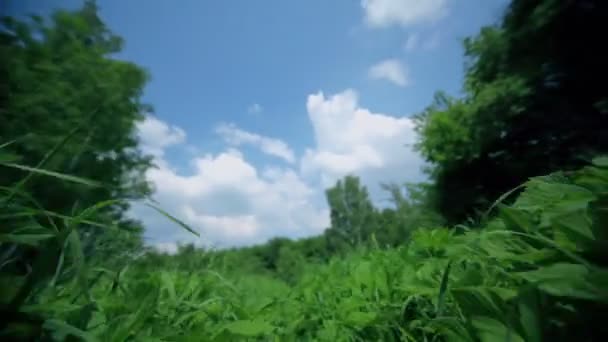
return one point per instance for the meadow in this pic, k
(505, 242)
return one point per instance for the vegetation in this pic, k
(71, 108)
(528, 265)
(532, 105)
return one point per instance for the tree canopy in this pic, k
(70, 106)
(533, 103)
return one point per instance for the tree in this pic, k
(67, 101)
(534, 102)
(351, 212)
(270, 252)
(290, 264)
(414, 208)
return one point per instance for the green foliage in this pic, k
(72, 109)
(536, 272)
(531, 105)
(352, 214)
(71, 266)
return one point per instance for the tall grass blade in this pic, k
(443, 288)
(173, 218)
(62, 176)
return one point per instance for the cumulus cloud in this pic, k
(353, 140)
(391, 70)
(229, 202)
(167, 247)
(274, 147)
(383, 13)
(232, 202)
(156, 135)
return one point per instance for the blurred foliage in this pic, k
(532, 104)
(68, 106)
(74, 267)
(536, 272)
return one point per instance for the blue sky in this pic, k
(260, 105)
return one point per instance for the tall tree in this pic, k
(352, 213)
(534, 102)
(413, 208)
(67, 99)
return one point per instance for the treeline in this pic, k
(355, 224)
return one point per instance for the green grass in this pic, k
(535, 272)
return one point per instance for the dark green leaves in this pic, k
(443, 288)
(491, 330)
(570, 280)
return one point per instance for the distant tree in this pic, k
(290, 264)
(352, 213)
(535, 101)
(313, 248)
(415, 205)
(270, 251)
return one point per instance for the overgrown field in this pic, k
(459, 257)
(535, 272)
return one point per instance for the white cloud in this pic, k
(255, 108)
(156, 135)
(167, 247)
(353, 140)
(391, 70)
(228, 201)
(236, 137)
(231, 227)
(383, 13)
(232, 202)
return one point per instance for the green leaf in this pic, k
(576, 228)
(516, 219)
(479, 301)
(453, 329)
(363, 273)
(61, 330)
(601, 161)
(249, 328)
(62, 176)
(491, 330)
(78, 261)
(443, 289)
(569, 280)
(172, 218)
(168, 285)
(360, 319)
(28, 238)
(10, 142)
(504, 293)
(133, 323)
(501, 199)
(529, 316)
(7, 157)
